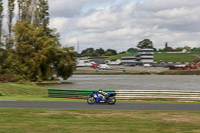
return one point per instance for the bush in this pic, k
(5, 79)
(1, 93)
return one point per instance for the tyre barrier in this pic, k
(128, 94)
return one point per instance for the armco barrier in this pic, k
(157, 94)
(67, 93)
(128, 94)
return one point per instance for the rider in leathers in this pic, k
(102, 94)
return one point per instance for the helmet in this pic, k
(100, 90)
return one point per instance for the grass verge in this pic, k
(180, 72)
(22, 88)
(114, 73)
(84, 121)
(172, 72)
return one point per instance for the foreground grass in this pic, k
(84, 121)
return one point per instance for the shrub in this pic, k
(8, 79)
(1, 93)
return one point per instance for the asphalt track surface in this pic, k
(85, 106)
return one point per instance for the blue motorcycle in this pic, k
(99, 98)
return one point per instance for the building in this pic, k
(143, 56)
(129, 60)
(176, 51)
(114, 62)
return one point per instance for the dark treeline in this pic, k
(98, 52)
(31, 50)
(146, 43)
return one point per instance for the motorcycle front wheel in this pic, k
(91, 100)
(111, 100)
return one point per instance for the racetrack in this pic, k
(85, 106)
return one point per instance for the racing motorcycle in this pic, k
(95, 97)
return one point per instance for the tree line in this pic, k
(98, 52)
(30, 49)
(146, 43)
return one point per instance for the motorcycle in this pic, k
(95, 97)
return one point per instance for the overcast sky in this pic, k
(121, 24)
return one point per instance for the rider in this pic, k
(102, 94)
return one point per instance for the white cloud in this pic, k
(59, 23)
(121, 26)
(70, 8)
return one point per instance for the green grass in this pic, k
(114, 73)
(171, 72)
(119, 56)
(174, 57)
(162, 57)
(180, 72)
(84, 121)
(22, 88)
(26, 92)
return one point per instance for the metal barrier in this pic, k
(157, 94)
(68, 93)
(128, 94)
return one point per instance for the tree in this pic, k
(20, 2)
(179, 48)
(108, 53)
(40, 55)
(11, 7)
(87, 51)
(36, 53)
(167, 48)
(94, 53)
(155, 50)
(132, 50)
(146, 43)
(187, 48)
(196, 49)
(100, 51)
(42, 15)
(9, 39)
(166, 44)
(1, 18)
(112, 51)
(65, 62)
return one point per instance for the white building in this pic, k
(143, 56)
(129, 60)
(83, 63)
(114, 62)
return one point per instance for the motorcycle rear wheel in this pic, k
(111, 100)
(91, 100)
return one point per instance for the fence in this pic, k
(67, 93)
(157, 94)
(129, 94)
